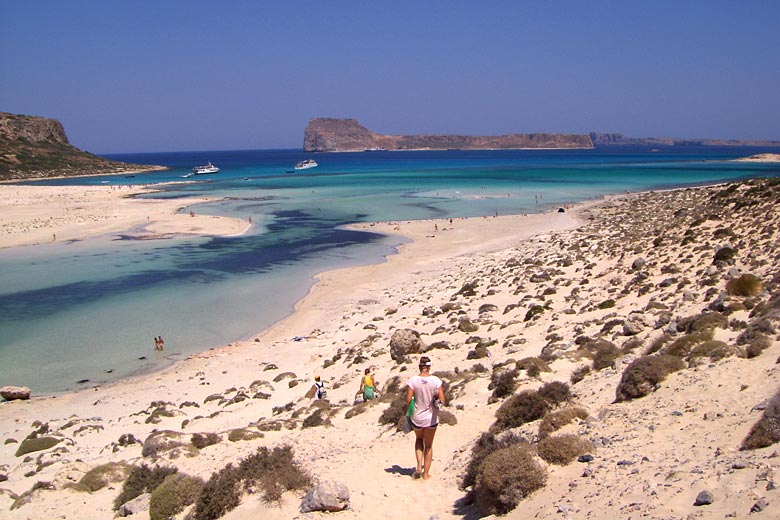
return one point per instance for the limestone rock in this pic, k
(135, 506)
(405, 342)
(704, 498)
(329, 495)
(11, 393)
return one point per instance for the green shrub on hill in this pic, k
(507, 476)
(643, 374)
(766, 431)
(173, 494)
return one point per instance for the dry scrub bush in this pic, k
(605, 356)
(270, 471)
(745, 285)
(507, 476)
(714, 351)
(503, 383)
(555, 393)
(175, 493)
(487, 443)
(556, 420)
(767, 430)
(142, 479)
(519, 409)
(705, 323)
(579, 374)
(563, 449)
(316, 419)
(682, 346)
(756, 328)
(201, 440)
(533, 366)
(757, 346)
(643, 374)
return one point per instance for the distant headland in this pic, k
(34, 147)
(324, 134)
(347, 135)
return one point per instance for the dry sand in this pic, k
(762, 157)
(44, 214)
(652, 455)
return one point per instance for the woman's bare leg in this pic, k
(418, 450)
(428, 434)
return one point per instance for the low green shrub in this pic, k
(605, 356)
(30, 445)
(244, 434)
(142, 479)
(682, 346)
(757, 346)
(643, 374)
(317, 418)
(715, 350)
(507, 476)
(173, 494)
(101, 476)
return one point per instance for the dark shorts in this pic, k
(414, 426)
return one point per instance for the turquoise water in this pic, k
(88, 310)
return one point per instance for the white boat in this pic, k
(206, 169)
(306, 164)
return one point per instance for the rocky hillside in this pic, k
(37, 147)
(342, 135)
(602, 139)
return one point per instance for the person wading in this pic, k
(428, 395)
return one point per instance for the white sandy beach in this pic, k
(44, 214)
(652, 455)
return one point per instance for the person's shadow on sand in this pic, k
(398, 470)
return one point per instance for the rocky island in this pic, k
(347, 135)
(34, 147)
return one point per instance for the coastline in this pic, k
(346, 308)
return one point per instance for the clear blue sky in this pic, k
(196, 75)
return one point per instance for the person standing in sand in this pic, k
(428, 394)
(367, 386)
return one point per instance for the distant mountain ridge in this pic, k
(342, 135)
(33, 147)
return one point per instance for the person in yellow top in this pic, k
(368, 386)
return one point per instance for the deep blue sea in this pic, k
(89, 310)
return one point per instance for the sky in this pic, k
(147, 76)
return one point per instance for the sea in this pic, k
(86, 312)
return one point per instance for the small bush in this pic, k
(579, 374)
(101, 476)
(521, 408)
(201, 440)
(316, 419)
(30, 445)
(725, 254)
(643, 374)
(767, 430)
(757, 346)
(745, 285)
(682, 346)
(534, 311)
(605, 356)
(503, 383)
(272, 472)
(556, 420)
(142, 479)
(507, 476)
(715, 351)
(487, 443)
(220, 494)
(175, 493)
(563, 449)
(555, 393)
(396, 410)
(244, 434)
(706, 322)
(533, 366)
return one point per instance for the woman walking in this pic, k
(428, 395)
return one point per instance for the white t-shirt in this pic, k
(425, 389)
